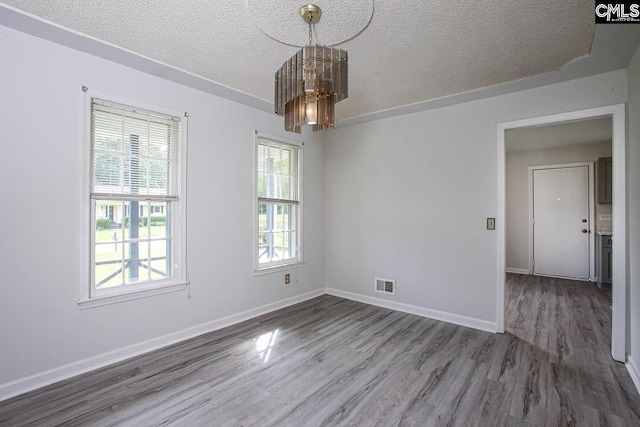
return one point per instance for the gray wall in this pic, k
(407, 197)
(634, 211)
(41, 325)
(517, 192)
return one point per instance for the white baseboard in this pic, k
(517, 270)
(41, 379)
(457, 319)
(632, 367)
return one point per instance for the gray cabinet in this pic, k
(605, 259)
(605, 177)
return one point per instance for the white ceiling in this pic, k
(568, 134)
(409, 55)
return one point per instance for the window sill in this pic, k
(100, 301)
(277, 268)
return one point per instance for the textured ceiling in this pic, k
(282, 21)
(406, 53)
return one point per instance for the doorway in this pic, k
(617, 113)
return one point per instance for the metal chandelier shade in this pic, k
(309, 84)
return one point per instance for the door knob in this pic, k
(584, 230)
(584, 220)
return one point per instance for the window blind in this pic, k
(134, 153)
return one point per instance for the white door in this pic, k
(561, 222)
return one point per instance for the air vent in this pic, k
(385, 286)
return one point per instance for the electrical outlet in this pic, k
(287, 279)
(491, 223)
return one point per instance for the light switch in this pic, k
(491, 223)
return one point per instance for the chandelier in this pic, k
(309, 84)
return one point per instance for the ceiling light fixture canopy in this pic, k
(309, 84)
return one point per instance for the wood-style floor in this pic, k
(330, 361)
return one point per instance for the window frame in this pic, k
(298, 260)
(89, 295)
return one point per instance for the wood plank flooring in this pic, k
(330, 361)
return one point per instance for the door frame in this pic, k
(619, 208)
(592, 212)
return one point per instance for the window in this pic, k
(136, 203)
(279, 207)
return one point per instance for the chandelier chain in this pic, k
(310, 37)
